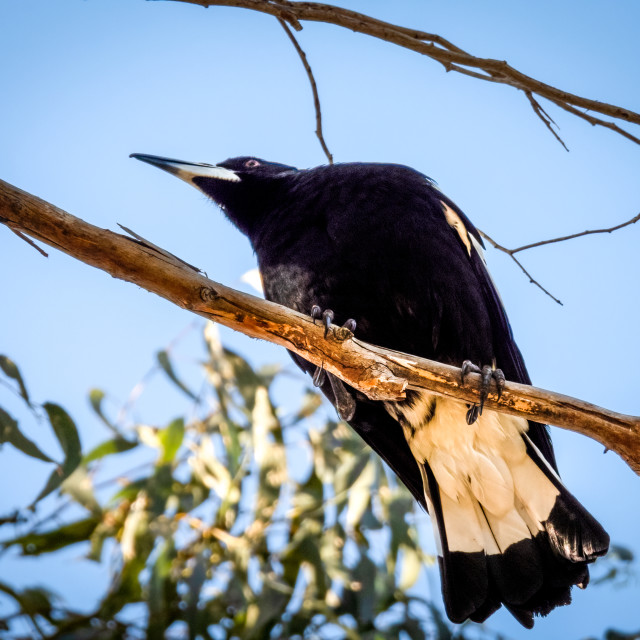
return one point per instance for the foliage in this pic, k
(246, 524)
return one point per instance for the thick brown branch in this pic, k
(314, 89)
(453, 58)
(378, 373)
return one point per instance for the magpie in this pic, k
(380, 249)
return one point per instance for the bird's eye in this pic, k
(251, 164)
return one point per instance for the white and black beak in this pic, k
(187, 171)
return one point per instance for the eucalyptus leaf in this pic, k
(67, 434)
(165, 364)
(96, 397)
(109, 447)
(10, 369)
(171, 438)
(79, 486)
(34, 544)
(9, 432)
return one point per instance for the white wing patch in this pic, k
(455, 222)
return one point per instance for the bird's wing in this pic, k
(508, 355)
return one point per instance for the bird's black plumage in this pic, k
(380, 244)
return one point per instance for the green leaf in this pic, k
(350, 469)
(109, 447)
(365, 575)
(10, 433)
(622, 553)
(311, 402)
(360, 495)
(171, 438)
(195, 581)
(10, 369)
(268, 609)
(411, 567)
(36, 602)
(244, 377)
(80, 487)
(126, 588)
(34, 544)
(96, 396)
(67, 434)
(161, 592)
(399, 506)
(167, 367)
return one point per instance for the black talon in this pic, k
(327, 318)
(345, 404)
(469, 367)
(488, 373)
(350, 324)
(319, 376)
(498, 376)
(472, 414)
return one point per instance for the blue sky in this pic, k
(87, 82)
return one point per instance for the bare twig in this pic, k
(510, 252)
(314, 89)
(524, 247)
(541, 243)
(150, 244)
(380, 374)
(596, 121)
(546, 118)
(453, 58)
(29, 241)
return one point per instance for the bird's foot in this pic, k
(345, 404)
(327, 317)
(488, 373)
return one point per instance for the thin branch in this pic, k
(155, 247)
(596, 121)
(314, 89)
(546, 118)
(29, 241)
(452, 57)
(381, 374)
(511, 252)
(574, 235)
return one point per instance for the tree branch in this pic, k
(453, 58)
(314, 89)
(541, 243)
(381, 374)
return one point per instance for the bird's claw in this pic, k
(345, 404)
(488, 373)
(350, 324)
(327, 317)
(319, 376)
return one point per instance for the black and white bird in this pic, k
(385, 251)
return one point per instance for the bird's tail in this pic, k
(526, 556)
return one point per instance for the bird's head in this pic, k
(243, 187)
